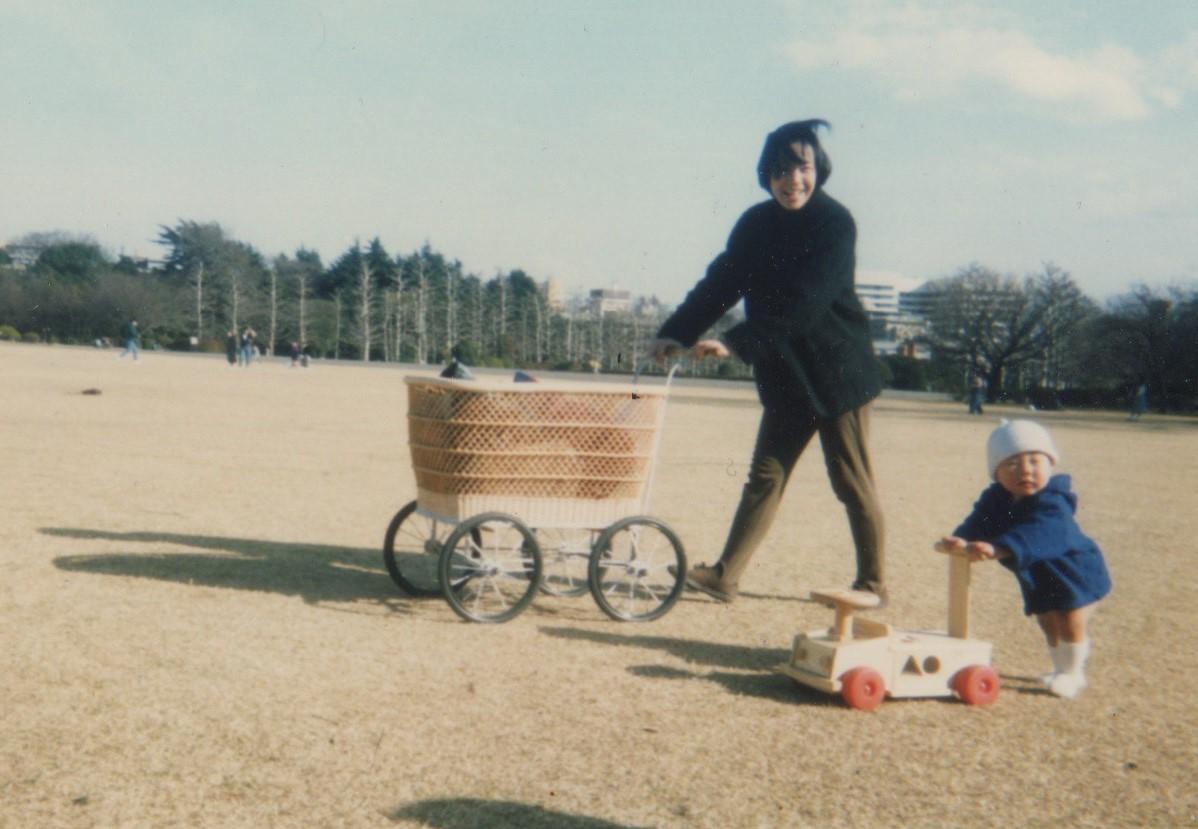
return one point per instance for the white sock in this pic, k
(1056, 654)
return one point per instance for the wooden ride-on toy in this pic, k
(864, 660)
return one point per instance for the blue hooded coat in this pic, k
(1058, 566)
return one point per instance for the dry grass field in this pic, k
(197, 630)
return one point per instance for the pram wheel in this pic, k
(565, 554)
(637, 569)
(490, 567)
(411, 549)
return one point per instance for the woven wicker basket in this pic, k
(557, 454)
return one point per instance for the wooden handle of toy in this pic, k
(958, 596)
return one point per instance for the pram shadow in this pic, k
(316, 573)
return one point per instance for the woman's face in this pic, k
(792, 182)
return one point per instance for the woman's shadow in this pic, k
(314, 572)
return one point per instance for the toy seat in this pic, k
(845, 602)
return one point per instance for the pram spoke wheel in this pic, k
(637, 569)
(412, 549)
(565, 555)
(490, 568)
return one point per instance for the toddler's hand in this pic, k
(980, 550)
(950, 544)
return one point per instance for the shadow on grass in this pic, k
(770, 686)
(750, 671)
(1023, 685)
(314, 572)
(475, 813)
(738, 657)
(690, 595)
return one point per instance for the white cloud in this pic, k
(920, 53)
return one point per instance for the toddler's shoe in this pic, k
(1067, 685)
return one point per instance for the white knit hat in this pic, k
(1015, 436)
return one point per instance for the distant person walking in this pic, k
(231, 346)
(132, 339)
(247, 346)
(1139, 403)
(977, 393)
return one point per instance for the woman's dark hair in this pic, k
(777, 154)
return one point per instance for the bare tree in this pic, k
(364, 296)
(1066, 311)
(199, 283)
(451, 333)
(986, 322)
(997, 325)
(274, 309)
(421, 311)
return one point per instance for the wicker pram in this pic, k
(555, 454)
(527, 486)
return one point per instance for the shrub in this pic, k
(905, 373)
(465, 352)
(7, 332)
(31, 337)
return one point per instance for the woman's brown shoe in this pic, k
(710, 580)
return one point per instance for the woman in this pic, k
(791, 259)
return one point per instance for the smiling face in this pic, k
(1024, 474)
(792, 179)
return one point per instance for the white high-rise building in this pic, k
(892, 302)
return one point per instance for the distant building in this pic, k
(608, 300)
(917, 302)
(649, 306)
(552, 290)
(880, 293)
(897, 307)
(24, 256)
(142, 264)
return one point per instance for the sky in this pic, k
(610, 142)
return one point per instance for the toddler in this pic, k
(1025, 520)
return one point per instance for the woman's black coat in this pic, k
(805, 332)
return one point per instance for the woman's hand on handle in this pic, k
(709, 348)
(664, 347)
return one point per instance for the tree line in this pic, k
(367, 304)
(1036, 339)
(1041, 340)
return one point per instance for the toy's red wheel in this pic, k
(862, 688)
(976, 685)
